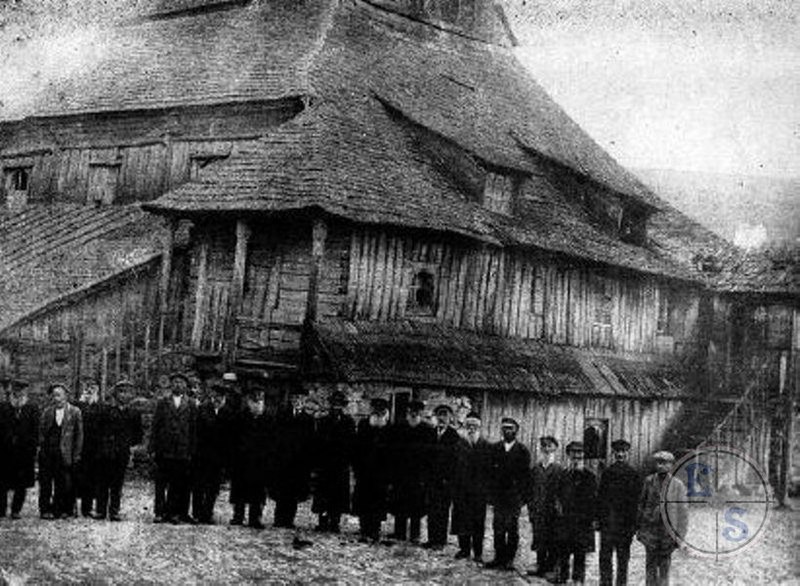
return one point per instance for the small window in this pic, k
(498, 191)
(18, 179)
(421, 295)
(16, 183)
(595, 439)
(662, 327)
(197, 164)
(102, 183)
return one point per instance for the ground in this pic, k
(136, 550)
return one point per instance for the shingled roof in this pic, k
(411, 353)
(48, 252)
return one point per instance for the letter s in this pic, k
(729, 533)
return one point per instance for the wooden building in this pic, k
(374, 196)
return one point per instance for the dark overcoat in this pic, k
(540, 507)
(510, 476)
(20, 435)
(291, 457)
(371, 467)
(214, 446)
(471, 485)
(574, 503)
(118, 430)
(174, 431)
(410, 449)
(71, 444)
(618, 501)
(250, 468)
(332, 455)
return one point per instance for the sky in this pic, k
(700, 85)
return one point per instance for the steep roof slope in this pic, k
(47, 252)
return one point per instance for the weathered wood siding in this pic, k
(139, 155)
(517, 294)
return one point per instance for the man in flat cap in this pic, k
(544, 475)
(86, 473)
(574, 505)
(411, 443)
(172, 443)
(19, 426)
(371, 467)
(119, 429)
(471, 490)
(61, 441)
(334, 452)
(653, 533)
(617, 503)
(441, 472)
(215, 428)
(510, 477)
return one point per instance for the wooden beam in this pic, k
(163, 286)
(200, 294)
(243, 232)
(319, 233)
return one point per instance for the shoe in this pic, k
(236, 521)
(256, 525)
(159, 519)
(98, 517)
(188, 519)
(47, 516)
(433, 546)
(115, 518)
(462, 555)
(479, 560)
(175, 520)
(64, 516)
(494, 564)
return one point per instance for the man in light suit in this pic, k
(61, 441)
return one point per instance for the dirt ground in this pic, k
(137, 551)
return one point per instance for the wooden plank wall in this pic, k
(507, 292)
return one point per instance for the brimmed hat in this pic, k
(620, 445)
(55, 386)
(219, 387)
(509, 421)
(472, 417)
(176, 374)
(548, 439)
(17, 384)
(121, 384)
(575, 447)
(443, 409)
(663, 456)
(415, 406)
(379, 405)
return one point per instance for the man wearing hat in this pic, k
(411, 441)
(86, 474)
(371, 467)
(334, 450)
(172, 443)
(617, 502)
(510, 476)
(574, 506)
(544, 474)
(61, 441)
(653, 533)
(215, 425)
(441, 473)
(470, 491)
(119, 429)
(19, 426)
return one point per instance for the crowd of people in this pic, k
(410, 468)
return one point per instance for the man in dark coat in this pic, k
(441, 472)
(251, 467)
(574, 504)
(411, 442)
(61, 441)
(510, 477)
(617, 503)
(86, 474)
(371, 468)
(333, 454)
(470, 494)
(19, 426)
(119, 428)
(291, 459)
(215, 427)
(540, 508)
(172, 443)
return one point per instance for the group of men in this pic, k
(409, 468)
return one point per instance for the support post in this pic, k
(163, 285)
(319, 232)
(243, 232)
(200, 294)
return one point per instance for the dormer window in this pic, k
(202, 158)
(18, 179)
(498, 192)
(422, 294)
(16, 183)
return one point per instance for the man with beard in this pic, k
(61, 441)
(441, 470)
(334, 440)
(540, 508)
(617, 502)
(510, 474)
(172, 442)
(86, 473)
(19, 424)
(215, 424)
(411, 441)
(370, 464)
(119, 428)
(653, 533)
(574, 505)
(470, 489)
(251, 467)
